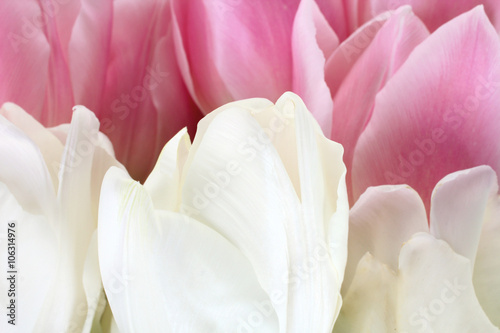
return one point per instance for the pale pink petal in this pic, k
(24, 57)
(234, 49)
(354, 101)
(334, 12)
(345, 56)
(438, 113)
(88, 49)
(435, 13)
(310, 32)
(380, 222)
(145, 102)
(458, 207)
(357, 12)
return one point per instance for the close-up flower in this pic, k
(250, 166)
(50, 181)
(244, 231)
(405, 275)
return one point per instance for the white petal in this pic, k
(435, 290)
(165, 272)
(23, 170)
(46, 142)
(370, 303)
(36, 250)
(487, 267)
(249, 198)
(458, 206)
(163, 184)
(383, 219)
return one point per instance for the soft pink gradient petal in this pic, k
(458, 208)
(439, 112)
(88, 51)
(334, 12)
(354, 101)
(145, 102)
(234, 49)
(312, 41)
(435, 13)
(344, 57)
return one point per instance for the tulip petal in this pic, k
(458, 207)
(23, 168)
(92, 282)
(163, 184)
(432, 291)
(231, 50)
(382, 58)
(46, 142)
(435, 289)
(74, 225)
(339, 64)
(250, 193)
(447, 91)
(88, 47)
(369, 305)
(35, 247)
(435, 13)
(144, 252)
(26, 45)
(487, 267)
(145, 102)
(310, 30)
(380, 222)
(333, 10)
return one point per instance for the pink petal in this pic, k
(355, 98)
(438, 114)
(312, 41)
(458, 208)
(234, 49)
(334, 12)
(145, 102)
(345, 56)
(88, 50)
(435, 13)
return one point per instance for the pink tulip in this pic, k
(236, 49)
(411, 109)
(345, 16)
(116, 58)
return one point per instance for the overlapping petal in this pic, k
(275, 218)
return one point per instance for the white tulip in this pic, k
(244, 231)
(49, 190)
(404, 276)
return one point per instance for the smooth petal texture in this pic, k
(35, 252)
(231, 50)
(142, 247)
(24, 171)
(310, 31)
(259, 177)
(163, 184)
(446, 300)
(145, 102)
(435, 13)
(381, 221)
(46, 142)
(56, 219)
(343, 58)
(458, 208)
(441, 105)
(487, 267)
(384, 55)
(334, 12)
(431, 291)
